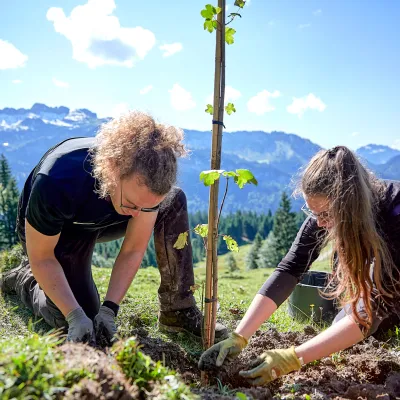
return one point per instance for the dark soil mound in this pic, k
(367, 371)
(172, 355)
(107, 381)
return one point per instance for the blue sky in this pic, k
(325, 70)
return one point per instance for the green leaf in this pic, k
(240, 3)
(230, 174)
(209, 109)
(231, 243)
(241, 396)
(209, 177)
(233, 15)
(201, 229)
(208, 12)
(230, 108)
(229, 32)
(181, 242)
(217, 10)
(244, 176)
(208, 25)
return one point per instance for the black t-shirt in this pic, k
(307, 245)
(60, 193)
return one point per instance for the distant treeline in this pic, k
(242, 226)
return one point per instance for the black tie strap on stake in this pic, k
(218, 123)
(210, 300)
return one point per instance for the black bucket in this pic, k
(306, 303)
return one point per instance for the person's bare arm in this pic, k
(261, 308)
(340, 336)
(130, 256)
(47, 270)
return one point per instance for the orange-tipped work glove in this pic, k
(227, 349)
(271, 365)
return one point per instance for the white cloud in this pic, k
(119, 109)
(231, 94)
(260, 103)
(17, 81)
(304, 26)
(60, 84)
(181, 99)
(396, 144)
(170, 49)
(317, 12)
(10, 56)
(300, 105)
(354, 134)
(146, 89)
(97, 37)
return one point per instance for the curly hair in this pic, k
(135, 143)
(354, 195)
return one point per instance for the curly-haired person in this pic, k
(91, 190)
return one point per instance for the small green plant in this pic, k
(224, 390)
(73, 376)
(312, 316)
(139, 367)
(241, 396)
(32, 368)
(337, 358)
(10, 259)
(295, 388)
(143, 371)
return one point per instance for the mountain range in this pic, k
(274, 157)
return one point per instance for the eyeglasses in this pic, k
(324, 215)
(135, 208)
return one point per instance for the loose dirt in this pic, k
(369, 370)
(108, 381)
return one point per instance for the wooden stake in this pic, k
(211, 289)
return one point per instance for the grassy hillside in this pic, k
(140, 306)
(31, 363)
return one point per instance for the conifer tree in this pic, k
(268, 256)
(281, 237)
(9, 196)
(232, 264)
(285, 226)
(252, 257)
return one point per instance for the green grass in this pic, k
(139, 309)
(140, 306)
(32, 368)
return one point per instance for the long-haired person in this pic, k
(360, 216)
(90, 190)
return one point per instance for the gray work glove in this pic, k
(104, 327)
(80, 327)
(227, 350)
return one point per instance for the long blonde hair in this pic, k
(354, 195)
